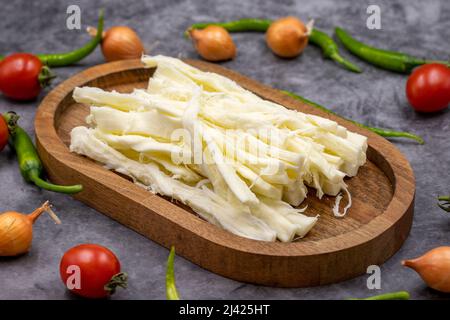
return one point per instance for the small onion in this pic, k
(120, 43)
(287, 37)
(434, 268)
(213, 43)
(16, 230)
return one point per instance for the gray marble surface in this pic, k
(375, 97)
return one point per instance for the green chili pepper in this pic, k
(67, 58)
(400, 295)
(382, 132)
(29, 163)
(389, 60)
(318, 38)
(241, 25)
(171, 289)
(330, 49)
(444, 203)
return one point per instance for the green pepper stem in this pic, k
(382, 132)
(34, 177)
(400, 295)
(171, 289)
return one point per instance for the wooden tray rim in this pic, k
(403, 189)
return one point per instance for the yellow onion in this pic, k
(213, 43)
(434, 268)
(287, 37)
(120, 43)
(16, 230)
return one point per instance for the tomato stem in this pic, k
(118, 280)
(444, 203)
(46, 76)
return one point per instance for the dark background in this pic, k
(375, 97)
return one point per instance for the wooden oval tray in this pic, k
(336, 249)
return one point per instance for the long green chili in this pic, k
(30, 165)
(318, 38)
(171, 289)
(241, 25)
(444, 203)
(400, 295)
(385, 59)
(382, 132)
(330, 49)
(68, 58)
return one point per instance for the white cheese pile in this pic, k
(239, 161)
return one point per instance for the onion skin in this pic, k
(121, 43)
(213, 43)
(287, 37)
(434, 268)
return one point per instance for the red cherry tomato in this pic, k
(428, 88)
(87, 268)
(3, 133)
(19, 76)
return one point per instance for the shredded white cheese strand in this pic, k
(336, 212)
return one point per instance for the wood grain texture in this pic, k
(336, 249)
